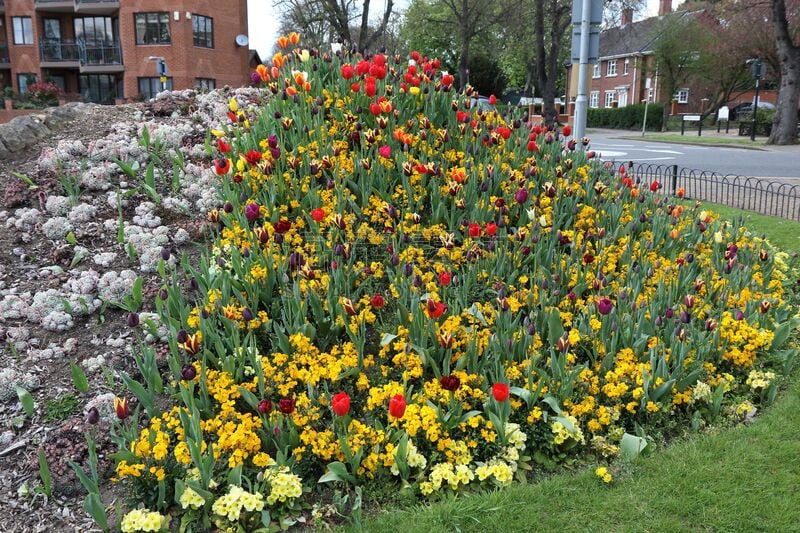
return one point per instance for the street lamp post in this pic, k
(161, 70)
(757, 73)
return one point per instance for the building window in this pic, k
(609, 98)
(611, 70)
(682, 96)
(95, 31)
(594, 98)
(203, 31)
(100, 88)
(205, 84)
(23, 80)
(149, 87)
(625, 68)
(23, 30)
(152, 28)
(596, 70)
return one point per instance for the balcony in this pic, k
(58, 53)
(96, 7)
(2, 6)
(85, 7)
(58, 6)
(88, 57)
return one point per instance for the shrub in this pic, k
(44, 92)
(627, 118)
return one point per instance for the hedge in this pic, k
(628, 117)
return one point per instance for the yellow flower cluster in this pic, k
(230, 505)
(502, 473)
(562, 433)
(191, 499)
(283, 485)
(446, 474)
(144, 520)
(759, 380)
(603, 473)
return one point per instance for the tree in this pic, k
(678, 51)
(784, 125)
(308, 18)
(471, 17)
(550, 22)
(338, 15)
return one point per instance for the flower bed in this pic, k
(409, 292)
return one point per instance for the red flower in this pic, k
(450, 383)
(377, 301)
(566, 131)
(385, 151)
(397, 406)
(375, 109)
(318, 214)
(532, 147)
(282, 226)
(348, 71)
(340, 403)
(253, 157)
(223, 146)
(355, 87)
(491, 228)
(370, 88)
(492, 99)
(122, 408)
(445, 278)
(504, 132)
(474, 230)
(654, 186)
(264, 406)
(222, 166)
(349, 307)
(415, 56)
(500, 392)
(447, 80)
(362, 67)
(435, 309)
(462, 116)
(286, 406)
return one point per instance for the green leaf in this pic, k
(553, 403)
(71, 239)
(387, 338)
(337, 471)
(631, 446)
(94, 506)
(783, 331)
(26, 400)
(662, 390)
(79, 378)
(44, 474)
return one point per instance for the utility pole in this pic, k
(586, 16)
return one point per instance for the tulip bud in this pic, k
(132, 319)
(188, 372)
(93, 416)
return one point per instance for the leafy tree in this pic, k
(787, 44)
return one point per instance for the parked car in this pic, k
(481, 103)
(745, 110)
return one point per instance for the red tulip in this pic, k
(318, 214)
(445, 278)
(397, 406)
(532, 147)
(474, 230)
(264, 406)
(347, 71)
(253, 157)
(500, 392)
(286, 406)
(340, 403)
(122, 408)
(222, 166)
(492, 99)
(491, 228)
(450, 383)
(435, 309)
(385, 151)
(223, 147)
(377, 301)
(566, 131)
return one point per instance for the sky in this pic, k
(263, 22)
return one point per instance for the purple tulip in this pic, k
(521, 196)
(604, 306)
(252, 211)
(272, 141)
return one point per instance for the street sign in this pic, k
(691, 118)
(648, 82)
(163, 79)
(723, 113)
(595, 13)
(594, 45)
(161, 67)
(758, 69)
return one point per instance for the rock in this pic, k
(16, 193)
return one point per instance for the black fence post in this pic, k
(700, 128)
(683, 125)
(674, 180)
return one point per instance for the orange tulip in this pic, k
(283, 42)
(263, 72)
(294, 37)
(673, 234)
(275, 72)
(278, 60)
(291, 91)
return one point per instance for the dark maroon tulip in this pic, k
(252, 212)
(286, 406)
(264, 406)
(188, 372)
(604, 306)
(93, 416)
(450, 383)
(521, 196)
(132, 319)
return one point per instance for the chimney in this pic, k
(665, 7)
(627, 16)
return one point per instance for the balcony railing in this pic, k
(86, 54)
(83, 6)
(58, 51)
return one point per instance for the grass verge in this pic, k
(692, 138)
(739, 479)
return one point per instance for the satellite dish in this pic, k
(242, 40)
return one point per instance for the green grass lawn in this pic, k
(691, 138)
(742, 479)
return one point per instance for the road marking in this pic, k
(610, 153)
(662, 151)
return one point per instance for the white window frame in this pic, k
(594, 99)
(682, 96)
(625, 67)
(611, 68)
(596, 70)
(610, 98)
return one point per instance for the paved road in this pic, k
(776, 162)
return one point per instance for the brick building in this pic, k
(102, 49)
(626, 62)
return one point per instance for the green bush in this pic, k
(628, 117)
